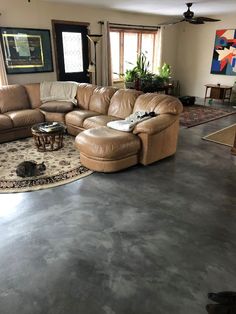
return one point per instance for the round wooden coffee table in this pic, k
(48, 136)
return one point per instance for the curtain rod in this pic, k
(132, 25)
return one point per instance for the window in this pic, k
(72, 49)
(126, 44)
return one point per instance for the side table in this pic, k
(218, 92)
(48, 136)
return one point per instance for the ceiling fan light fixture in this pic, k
(189, 17)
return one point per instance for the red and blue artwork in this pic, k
(224, 55)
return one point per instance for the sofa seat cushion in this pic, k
(5, 122)
(94, 122)
(54, 116)
(25, 117)
(57, 106)
(77, 117)
(108, 144)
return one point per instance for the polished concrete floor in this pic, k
(148, 240)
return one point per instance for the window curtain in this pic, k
(159, 44)
(3, 74)
(106, 55)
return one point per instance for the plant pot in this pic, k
(130, 85)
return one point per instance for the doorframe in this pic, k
(55, 43)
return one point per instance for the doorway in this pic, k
(71, 51)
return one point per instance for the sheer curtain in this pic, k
(106, 55)
(3, 74)
(159, 49)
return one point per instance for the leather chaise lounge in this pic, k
(151, 140)
(101, 148)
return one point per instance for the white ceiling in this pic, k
(162, 7)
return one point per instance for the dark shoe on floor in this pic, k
(221, 309)
(218, 309)
(224, 297)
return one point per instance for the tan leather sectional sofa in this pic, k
(101, 148)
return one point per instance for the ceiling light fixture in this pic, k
(189, 17)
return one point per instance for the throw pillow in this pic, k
(57, 106)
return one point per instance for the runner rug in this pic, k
(197, 114)
(62, 166)
(224, 136)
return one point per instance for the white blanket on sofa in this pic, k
(60, 91)
(129, 123)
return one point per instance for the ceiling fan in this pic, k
(189, 17)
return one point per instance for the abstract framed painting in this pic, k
(224, 55)
(26, 50)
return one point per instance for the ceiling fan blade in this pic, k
(170, 22)
(207, 19)
(196, 21)
(200, 20)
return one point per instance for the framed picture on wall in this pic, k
(26, 50)
(224, 57)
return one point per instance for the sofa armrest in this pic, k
(155, 124)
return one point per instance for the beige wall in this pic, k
(187, 48)
(169, 47)
(38, 14)
(194, 56)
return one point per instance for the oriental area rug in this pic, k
(224, 136)
(197, 114)
(62, 166)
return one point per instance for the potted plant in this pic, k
(140, 78)
(140, 71)
(165, 72)
(130, 78)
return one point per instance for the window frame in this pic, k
(139, 33)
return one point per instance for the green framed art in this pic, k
(26, 50)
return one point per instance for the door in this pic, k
(71, 51)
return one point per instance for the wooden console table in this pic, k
(218, 92)
(167, 89)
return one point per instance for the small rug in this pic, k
(62, 166)
(224, 136)
(197, 114)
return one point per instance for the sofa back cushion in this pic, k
(84, 93)
(13, 97)
(100, 100)
(159, 103)
(33, 91)
(122, 102)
